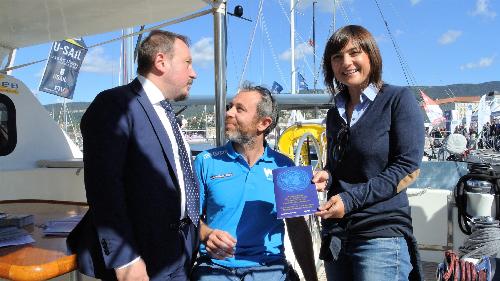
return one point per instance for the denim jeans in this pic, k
(378, 259)
(208, 271)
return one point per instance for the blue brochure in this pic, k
(294, 192)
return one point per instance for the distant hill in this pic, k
(194, 110)
(76, 109)
(460, 90)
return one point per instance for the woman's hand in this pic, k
(333, 208)
(320, 179)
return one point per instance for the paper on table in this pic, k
(61, 227)
(12, 236)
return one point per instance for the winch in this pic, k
(480, 199)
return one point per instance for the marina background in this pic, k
(439, 43)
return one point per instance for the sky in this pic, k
(438, 42)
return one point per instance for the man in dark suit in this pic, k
(142, 222)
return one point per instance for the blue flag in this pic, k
(277, 88)
(302, 82)
(61, 71)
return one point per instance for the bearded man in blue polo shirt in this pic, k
(242, 239)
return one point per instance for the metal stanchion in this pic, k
(75, 276)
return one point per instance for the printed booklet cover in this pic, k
(294, 192)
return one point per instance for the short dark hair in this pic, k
(158, 41)
(360, 38)
(266, 107)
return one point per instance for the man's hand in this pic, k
(134, 272)
(220, 244)
(320, 179)
(333, 208)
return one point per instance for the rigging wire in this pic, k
(236, 73)
(139, 39)
(398, 15)
(273, 53)
(298, 39)
(261, 37)
(252, 38)
(284, 11)
(447, 91)
(343, 11)
(338, 3)
(410, 80)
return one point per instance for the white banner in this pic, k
(483, 113)
(468, 118)
(432, 109)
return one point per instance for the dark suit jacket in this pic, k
(132, 189)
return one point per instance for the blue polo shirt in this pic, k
(239, 199)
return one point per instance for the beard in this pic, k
(184, 95)
(181, 98)
(239, 137)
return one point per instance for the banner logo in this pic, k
(61, 72)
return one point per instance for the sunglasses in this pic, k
(340, 145)
(263, 91)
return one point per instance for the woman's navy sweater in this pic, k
(382, 156)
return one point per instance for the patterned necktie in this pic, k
(190, 186)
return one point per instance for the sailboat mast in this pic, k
(220, 50)
(65, 116)
(121, 72)
(292, 44)
(314, 46)
(128, 56)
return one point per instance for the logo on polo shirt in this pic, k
(214, 154)
(221, 176)
(269, 173)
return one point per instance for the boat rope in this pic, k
(483, 241)
(477, 171)
(162, 25)
(454, 269)
(418, 193)
(252, 39)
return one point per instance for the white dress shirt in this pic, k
(155, 96)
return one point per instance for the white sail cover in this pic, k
(24, 23)
(468, 117)
(483, 113)
(432, 109)
(495, 107)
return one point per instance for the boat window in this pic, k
(8, 134)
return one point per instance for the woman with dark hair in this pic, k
(375, 135)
